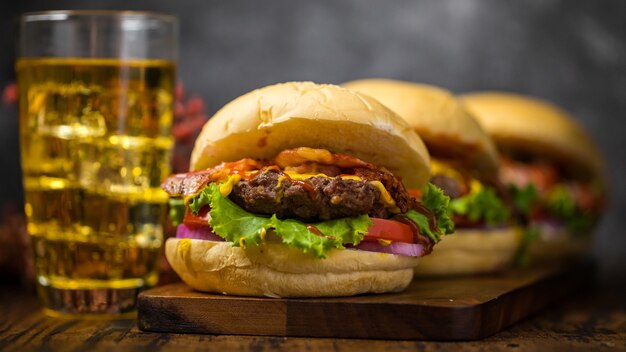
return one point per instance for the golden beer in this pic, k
(95, 144)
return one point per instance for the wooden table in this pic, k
(588, 321)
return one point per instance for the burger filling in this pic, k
(548, 200)
(309, 199)
(472, 203)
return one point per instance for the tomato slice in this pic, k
(197, 220)
(389, 230)
(415, 192)
(381, 229)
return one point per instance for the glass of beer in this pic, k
(96, 108)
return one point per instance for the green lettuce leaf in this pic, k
(483, 205)
(530, 235)
(437, 202)
(336, 232)
(562, 205)
(177, 210)
(524, 198)
(199, 200)
(237, 225)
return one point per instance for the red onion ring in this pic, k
(197, 233)
(398, 248)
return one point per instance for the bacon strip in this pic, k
(185, 184)
(300, 156)
(300, 159)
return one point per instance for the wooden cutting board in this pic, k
(461, 308)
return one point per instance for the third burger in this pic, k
(552, 169)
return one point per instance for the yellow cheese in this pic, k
(475, 186)
(280, 191)
(441, 168)
(184, 250)
(385, 197)
(262, 233)
(227, 187)
(184, 247)
(384, 242)
(299, 177)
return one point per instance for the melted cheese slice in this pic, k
(227, 187)
(299, 177)
(442, 168)
(385, 197)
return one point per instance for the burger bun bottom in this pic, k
(275, 270)
(475, 251)
(557, 245)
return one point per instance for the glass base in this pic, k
(98, 303)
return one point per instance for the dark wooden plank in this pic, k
(462, 308)
(591, 321)
(171, 312)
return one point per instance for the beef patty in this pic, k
(313, 199)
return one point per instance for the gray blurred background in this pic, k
(572, 53)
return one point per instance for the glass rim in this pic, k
(61, 15)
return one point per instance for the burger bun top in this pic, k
(526, 125)
(262, 123)
(447, 128)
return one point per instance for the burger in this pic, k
(465, 166)
(552, 169)
(298, 190)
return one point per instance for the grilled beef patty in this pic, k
(313, 199)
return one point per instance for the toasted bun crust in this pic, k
(472, 252)
(522, 123)
(266, 121)
(447, 129)
(274, 270)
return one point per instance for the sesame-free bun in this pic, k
(446, 127)
(275, 270)
(472, 251)
(532, 126)
(266, 121)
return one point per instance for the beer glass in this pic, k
(96, 101)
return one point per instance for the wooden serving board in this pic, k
(461, 308)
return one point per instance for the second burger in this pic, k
(465, 166)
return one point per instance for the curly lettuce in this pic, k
(437, 202)
(530, 235)
(481, 205)
(562, 206)
(243, 228)
(234, 224)
(524, 198)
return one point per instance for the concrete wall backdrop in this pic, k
(570, 52)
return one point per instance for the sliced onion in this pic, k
(398, 248)
(197, 233)
(551, 229)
